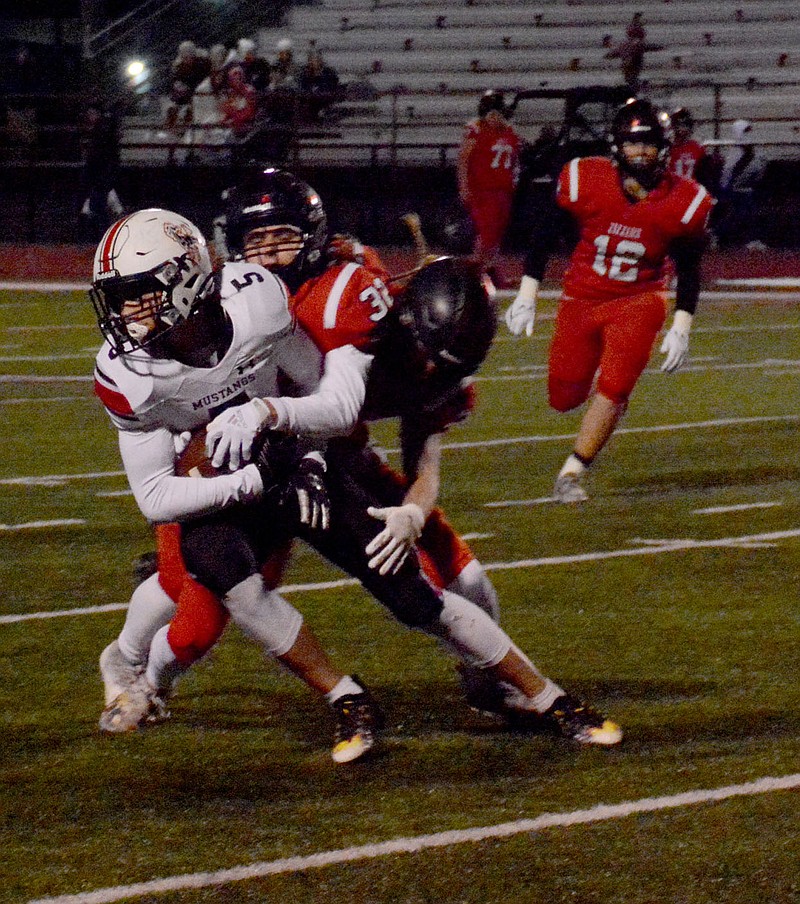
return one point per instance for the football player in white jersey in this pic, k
(463, 627)
(183, 342)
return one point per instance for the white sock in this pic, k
(149, 609)
(163, 668)
(344, 687)
(573, 465)
(546, 697)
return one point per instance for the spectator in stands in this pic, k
(284, 71)
(739, 185)
(631, 51)
(688, 158)
(24, 76)
(257, 70)
(319, 83)
(217, 75)
(239, 103)
(488, 171)
(281, 100)
(100, 150)
(188, 70)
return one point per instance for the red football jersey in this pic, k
(623, 245)
(683, 158)
(343, 306)
(494, 160)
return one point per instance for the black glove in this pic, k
(306, 489)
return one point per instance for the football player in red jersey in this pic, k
(488, 171)
(437, 335)
(418, 350)
(687, 157)
(631, 214)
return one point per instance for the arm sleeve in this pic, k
(687, 254)
(334, 408)
(551, 223)
(149, 458)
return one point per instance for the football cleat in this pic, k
(117, 673)
(481, 691)
(134, 708)
(576, 720)
(568, 489)
(358, 720)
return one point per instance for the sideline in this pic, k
(415, 844)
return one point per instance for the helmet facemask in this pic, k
(274, 199)
(135, 310)
(639, 123)
(151, 273)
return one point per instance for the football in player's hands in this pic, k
(193, 461)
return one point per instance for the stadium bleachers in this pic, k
(431, 60)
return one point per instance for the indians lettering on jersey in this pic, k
(623, 245)
(494, 158)
(141, 392)
(683, 158)
(343, 306)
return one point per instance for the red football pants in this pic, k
(615, 337)
(490, 212)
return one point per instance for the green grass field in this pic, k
(669, 599)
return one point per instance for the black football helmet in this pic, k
(682, 119)
(275, 197)
(447, 310)
(639, 122)
(491, 100)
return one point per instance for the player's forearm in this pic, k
(162, 496)
(424, 491)
(687, 271)
(333, 409)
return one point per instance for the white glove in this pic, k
(391, 547)
(676, 342)
(231, 434)
(522, 312)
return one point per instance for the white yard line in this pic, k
(52, 479)
(645, 547)
(36, 525)
(415, 844)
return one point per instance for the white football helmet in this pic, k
(155, 255)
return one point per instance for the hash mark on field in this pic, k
(742, 507)
(415, 844)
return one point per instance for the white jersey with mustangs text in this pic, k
(150, 399)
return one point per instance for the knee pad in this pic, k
(264, 615)
(474, 585)
(617, 390)
(470, 633)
